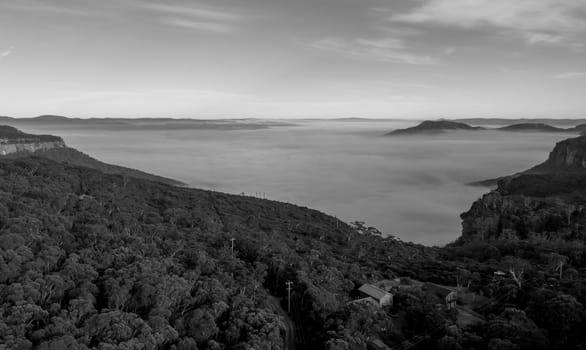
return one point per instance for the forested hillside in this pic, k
(89, 260)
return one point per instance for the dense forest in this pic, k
(90, 260)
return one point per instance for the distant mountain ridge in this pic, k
(149, 123)
(567, 122)
(532, 127)
(433, 127)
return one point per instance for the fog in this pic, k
(411, 187)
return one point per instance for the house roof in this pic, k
(367, 300)
(373, 291)
(438, 290)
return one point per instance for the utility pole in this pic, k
(232, 240)
(289, 283)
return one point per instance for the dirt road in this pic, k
(289, 324)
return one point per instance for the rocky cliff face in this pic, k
(548, 201)
(568, 155)
(9, 148)
(499, 215)
(13, 141)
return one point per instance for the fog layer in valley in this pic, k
(411, 187)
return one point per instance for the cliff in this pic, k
(13, 140)
(567, 156)
(547, 201)
(17, 144)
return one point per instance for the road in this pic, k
(289, 324)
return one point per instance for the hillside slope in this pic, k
(15, 144)
(92, 260)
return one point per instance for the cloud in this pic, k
(552, 22)
(196, 25)
(392, 50)
(198, 18)
(34, 6)
(570, 75)
(6, 52)
(199, 12)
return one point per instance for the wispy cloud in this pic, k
(551, 22)
(189, 16)
(199, 12)
(6, 53)
(392, 50)
(45, 8)
(196, 25)
(570, 75)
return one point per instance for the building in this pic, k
(379, 295)
(448, 295)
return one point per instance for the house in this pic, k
(379, 295)
(448, 295)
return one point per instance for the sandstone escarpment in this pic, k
(9, 148)
(568, 155)
(13, 141)
(547, 201)
(501, 215)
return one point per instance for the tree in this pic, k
(557, 262)
(514, 325)
(517, 269)
(559, 314)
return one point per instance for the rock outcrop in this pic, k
(503, 215)
(17, 144)
(568, 155)
(547, 201)
(13, 141)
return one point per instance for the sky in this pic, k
(412, 59)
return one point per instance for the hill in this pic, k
(433, 127)
(533, 127)
(90, 260)
(10, 134)
(566, 122)
(72, 156)
(581, 129)
(15, 144)
(102, 260)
